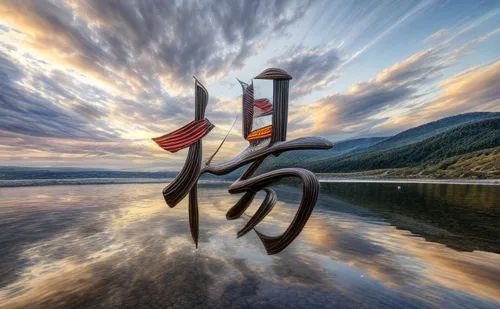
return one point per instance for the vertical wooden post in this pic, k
(280, 110)
(281, 80)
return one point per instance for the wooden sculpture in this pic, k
(263, 142)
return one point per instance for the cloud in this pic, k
(417, 9)
(27, 113)
(97, 79)
(436, 35)
(312, 69)
(50, 118)
(352, 111)
(150, 44)
(466, 48)
(100, 78)
(473, 90)
(401, 96)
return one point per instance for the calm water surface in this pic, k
(365, 246)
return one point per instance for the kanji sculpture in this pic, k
(263, 142)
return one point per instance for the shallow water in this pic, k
(365, 246)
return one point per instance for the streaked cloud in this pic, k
(469, 91)
(467, 47)
(401, 96)
(472, 90)
(312, 69)
(436, 35)
(421, 6)
(352, 111)
(143, 44)
(31, 114)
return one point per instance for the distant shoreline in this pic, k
(463, 181)
(323, 178)
(91, 181)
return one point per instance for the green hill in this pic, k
(351, 148)
(425, 145)
(430, 129)
(481, 164)
(470, 137)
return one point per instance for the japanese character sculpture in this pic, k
(263, 142)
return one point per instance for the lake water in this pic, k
(367, 245)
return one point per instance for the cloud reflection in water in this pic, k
(120, 246)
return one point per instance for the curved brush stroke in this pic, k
(239, 208)
(264, 209)
(252, 154)
(310, 192)
(188, 177)
(247, 108)
(177, 190)
(193, 214)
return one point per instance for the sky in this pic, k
(89, 83)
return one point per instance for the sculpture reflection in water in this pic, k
(263, 142)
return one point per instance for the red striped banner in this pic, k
(185, 136)
(262, 107)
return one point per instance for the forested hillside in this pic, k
(298, 157)
(481, 164)
(478, 131)
(477, 135)
(430, 129)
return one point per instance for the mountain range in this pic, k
(443, 141)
